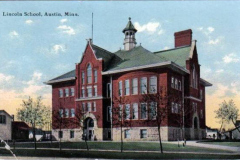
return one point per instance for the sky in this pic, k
(35, 49)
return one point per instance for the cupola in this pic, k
(129, 40)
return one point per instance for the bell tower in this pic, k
(129, 40)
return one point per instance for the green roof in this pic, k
(129, 26)
(135, 57)
(102, 53)
(176, 55)
(71, 74)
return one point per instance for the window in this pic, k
(89, 107)
(194, 105)
(176, 108)
(72, 112)
(193, 77)
(109, 113)
(89, 91)
(127, 87)
(83, 92)
(66, 92)
(172, 108)
(72, 91)
(95, 90)
(89, 74)
(83, 107)
(60, 93)
(95, 76)
(153, 110)
(61, 113)
(94, 107)
(120, 88)
(135, 86)
(127, 133)
(109, 90)
(83, 77)
(120, 112)
(127, 111)
(2, 119)
(201, 113)
(60, 134)
(143, 111)
(201, 94)
(66, 113)
(153, 84)
(135, 111)
(144, 85)
(179, 85)
(172, 82)
(176, 84)
(143, 133)
(71, 134)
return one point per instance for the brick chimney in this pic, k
(183, 38)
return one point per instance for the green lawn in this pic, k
(130, 146)
(232, 144)
(111, 155)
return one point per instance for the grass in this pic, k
(111, 155)
(231, 144)
(129, 146)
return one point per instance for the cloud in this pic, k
(210, 29)
(5, 78)
(29, 21)
(63, 20)
(213, 42)
(67, 29)
(57, 48)
(207, 30)
(231, 58)
(150, 27)
(219, 71)
(13, 34)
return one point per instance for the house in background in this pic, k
(20, 130)
(101, 76)
(212, 133)
(5, 125)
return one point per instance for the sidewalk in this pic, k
(212, 146)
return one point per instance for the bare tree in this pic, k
(79, 120)
(58, 121)
(227, 112)
(121, 115)
(158, 109)
(34, 114)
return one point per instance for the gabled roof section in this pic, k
(135, 57)
(3, 111)
(65, 77)
(102, 53)
(176, 55)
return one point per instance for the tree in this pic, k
(227, 112)
(159, 108)
(34, 113)
(59, 122)
(121, 115)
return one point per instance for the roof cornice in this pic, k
(146, 66)
(60, 80)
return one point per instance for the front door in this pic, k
(89, 128)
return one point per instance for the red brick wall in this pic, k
(183, 38)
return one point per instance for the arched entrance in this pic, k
(89, 128)
(195, 125)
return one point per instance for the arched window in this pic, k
(89, 73)
(194, 77)
(195, 123)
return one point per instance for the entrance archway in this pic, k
(195, 126)
(89, 128)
